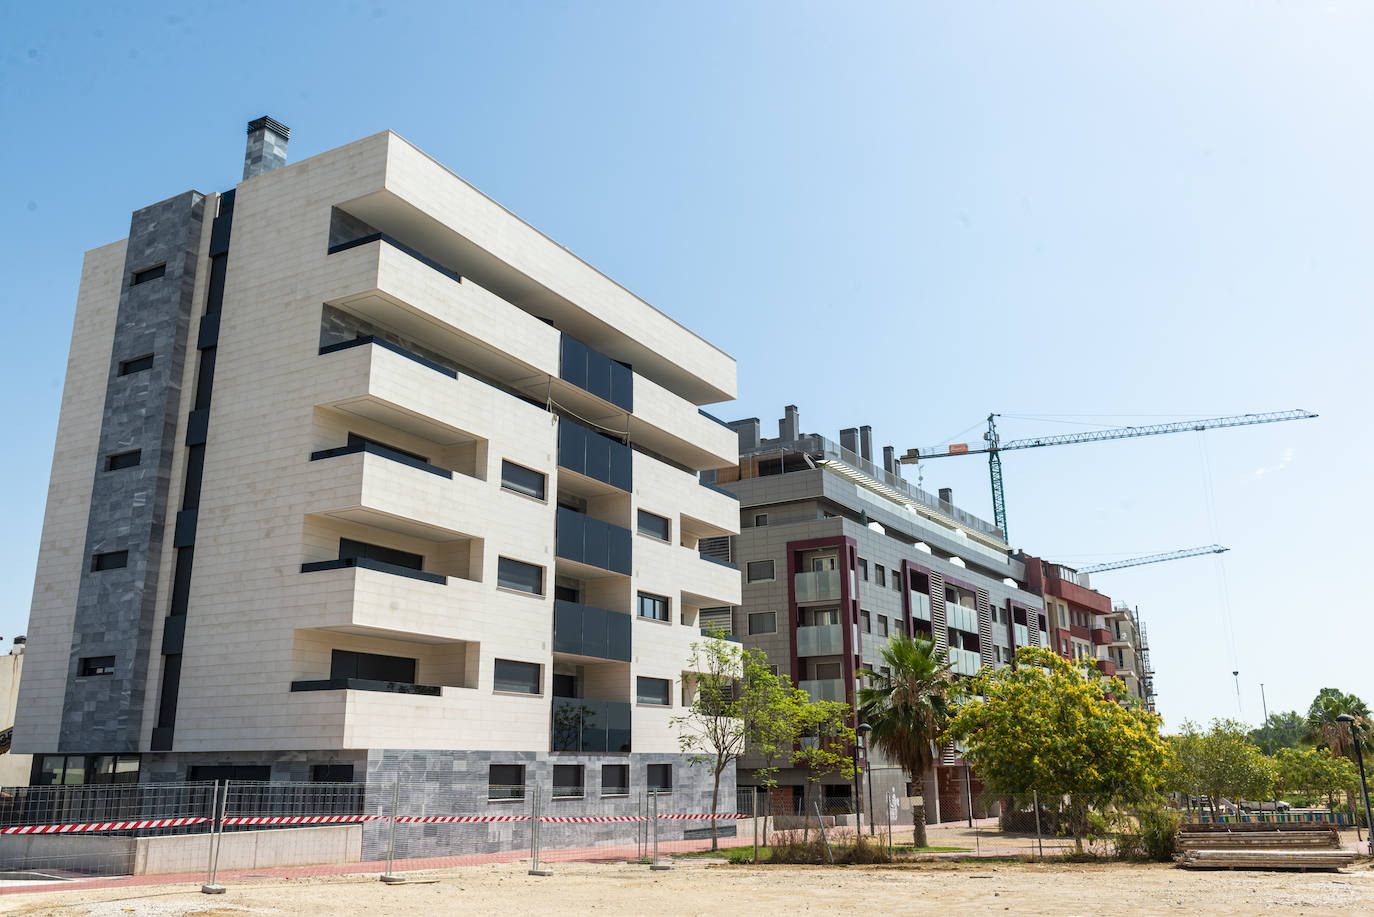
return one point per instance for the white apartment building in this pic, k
(361, 477)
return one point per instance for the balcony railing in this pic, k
(1101, 636)
(820, 640)
(590, 541)
(817, 586)
(381, 452)
(364, 684)
(920, 605)
(1022, 635)
(367, 563)
(394, 348)
(825, 689)
(585, 630)
(400, 247)
(593, 371)
(966, 662)
(713, 632)
(961, 617)
(718, 489)
(586, 725)
(598, 457)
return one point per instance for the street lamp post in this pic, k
(861, 734)
(1364, 787)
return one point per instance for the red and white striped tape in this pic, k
(581, 819)
(457, 819)
(703, 816)
(297, 819)
(105, 826)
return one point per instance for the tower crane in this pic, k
(1153, 558)
(993, 445)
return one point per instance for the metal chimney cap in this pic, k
(275, 126)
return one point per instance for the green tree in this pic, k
(908, 710)
(825, 738)
(1325, 731)
(1221, 762)
(1050, 725)
(1314, 772)
(734, 692)
(1280, 730)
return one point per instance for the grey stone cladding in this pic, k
(114, 612)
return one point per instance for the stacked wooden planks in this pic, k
(1260, 846)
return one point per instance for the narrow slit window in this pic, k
(110, 560)
(97, 665)
(123, 460)
(135, 365)
(150, 273)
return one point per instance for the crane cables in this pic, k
(1223, 586)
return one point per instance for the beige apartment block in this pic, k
(361, 477)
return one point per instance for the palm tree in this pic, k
(908, 709)
(1324, 730)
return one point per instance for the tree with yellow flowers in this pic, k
(1056, 727)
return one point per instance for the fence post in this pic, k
(389, 877)
(641, 830)
(211, 864)
(536, 835)
(820, 822)
(756, 827)
(655, 864)
(1039, 843)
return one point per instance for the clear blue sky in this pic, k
(905, 215)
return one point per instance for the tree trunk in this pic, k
(715, 797)
(918, 818)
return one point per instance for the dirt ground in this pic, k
(707, 889)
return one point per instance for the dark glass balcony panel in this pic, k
(596, 456)
(364, 684)
(368, 563)
(593, 371)
(371, 448)
(593, 542)
(584, 725)
(585, 630)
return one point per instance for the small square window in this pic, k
(763, 622)
(123, 460)
(661, 778)
(568, 782)
(760, 571)
(521, 480)
(516, 677)
(149, 273)
(654, 607)
(110, 560)
(882, 625)
(520, 576)
(760, 519)
(863, 569)
(654, 526)
(615, 779)
(865, 622)
(506, 781)
(879, 575)
(655, 691)
(136, 365)
(96, 665)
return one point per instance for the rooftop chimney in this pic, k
(849, 439)
(266, 147)
(889, 459)
(789, 428)
(866, 443)
(947, 495)
(748, 432)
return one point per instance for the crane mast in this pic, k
(994, 446)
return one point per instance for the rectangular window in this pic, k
(568, 782)
(331, 773)
(882, 625)
(149, 273)
(656, 691)
(520, 576)
(653, 606)
(661, 777)
(827, 670)
(654, 526)
(96, 665)
(760, 571)
(615, 779)
(506, 781)
(897, 580)
(763, 622)
(516, 677)
(123, 460)
(760, 519)
(110, 560)
(135, 365)
(522, 480)
(863, 569)
(371, 667)
(865, 622)
(879, 575)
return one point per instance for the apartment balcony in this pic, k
(820, 640)
(363, 684)
(1106, 666)
(588, 631)
(920, 606)
(961, 617)
(1101, 636)
(592, 543)
(391, 287)
(966, 662)
(595, 457)
(1022, 635)
(699, 580)
(363, 597)
(831, 689)
(584, 725)
(817, 586)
